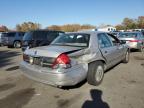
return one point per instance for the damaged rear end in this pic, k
(57, 64)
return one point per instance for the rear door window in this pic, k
(114, 40)
(104, 40)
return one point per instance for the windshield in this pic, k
(28, 36)
(76, 40)
(128, 35)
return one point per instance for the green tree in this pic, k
(119, 27)
(71, 27)
(54, 27)
(140, 22)
(26, 26)
(129, 23)
(87, 26)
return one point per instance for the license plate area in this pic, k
(37, 60)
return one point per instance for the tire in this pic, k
(126, 59)
(17, 44)
(95, 73)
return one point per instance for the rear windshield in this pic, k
(76, 40)
(128, 35)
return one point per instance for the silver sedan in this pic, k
(73, 57)
(135, 40)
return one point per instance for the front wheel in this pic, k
(95, 73)
(17, 44)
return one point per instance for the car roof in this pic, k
(45, 30)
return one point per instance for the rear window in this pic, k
(76, 40)
(128, 35)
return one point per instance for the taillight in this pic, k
(135, 41)
(62, 61)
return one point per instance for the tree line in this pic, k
(127, 23)
(71, 27)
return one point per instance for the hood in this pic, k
(51, 50)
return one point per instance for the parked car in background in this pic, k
(12, 39)
(0, 38)
(73, 57)
(142, 32)
(135, 40)
(39, 38)
(115, 33)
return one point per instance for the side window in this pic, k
(11, 34)
(21, 34)
(39, 35)
(104, 40)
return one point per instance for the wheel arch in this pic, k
(101, 60)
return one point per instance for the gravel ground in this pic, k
(122, 87)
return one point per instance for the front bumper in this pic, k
(65, 77)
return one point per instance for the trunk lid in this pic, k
(46, 55)
(51, 50)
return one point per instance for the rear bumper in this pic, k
(65, 77)
(134, 45)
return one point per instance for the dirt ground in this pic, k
(122, 87)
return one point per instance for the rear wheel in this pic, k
(17, 44)
(95, 73)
